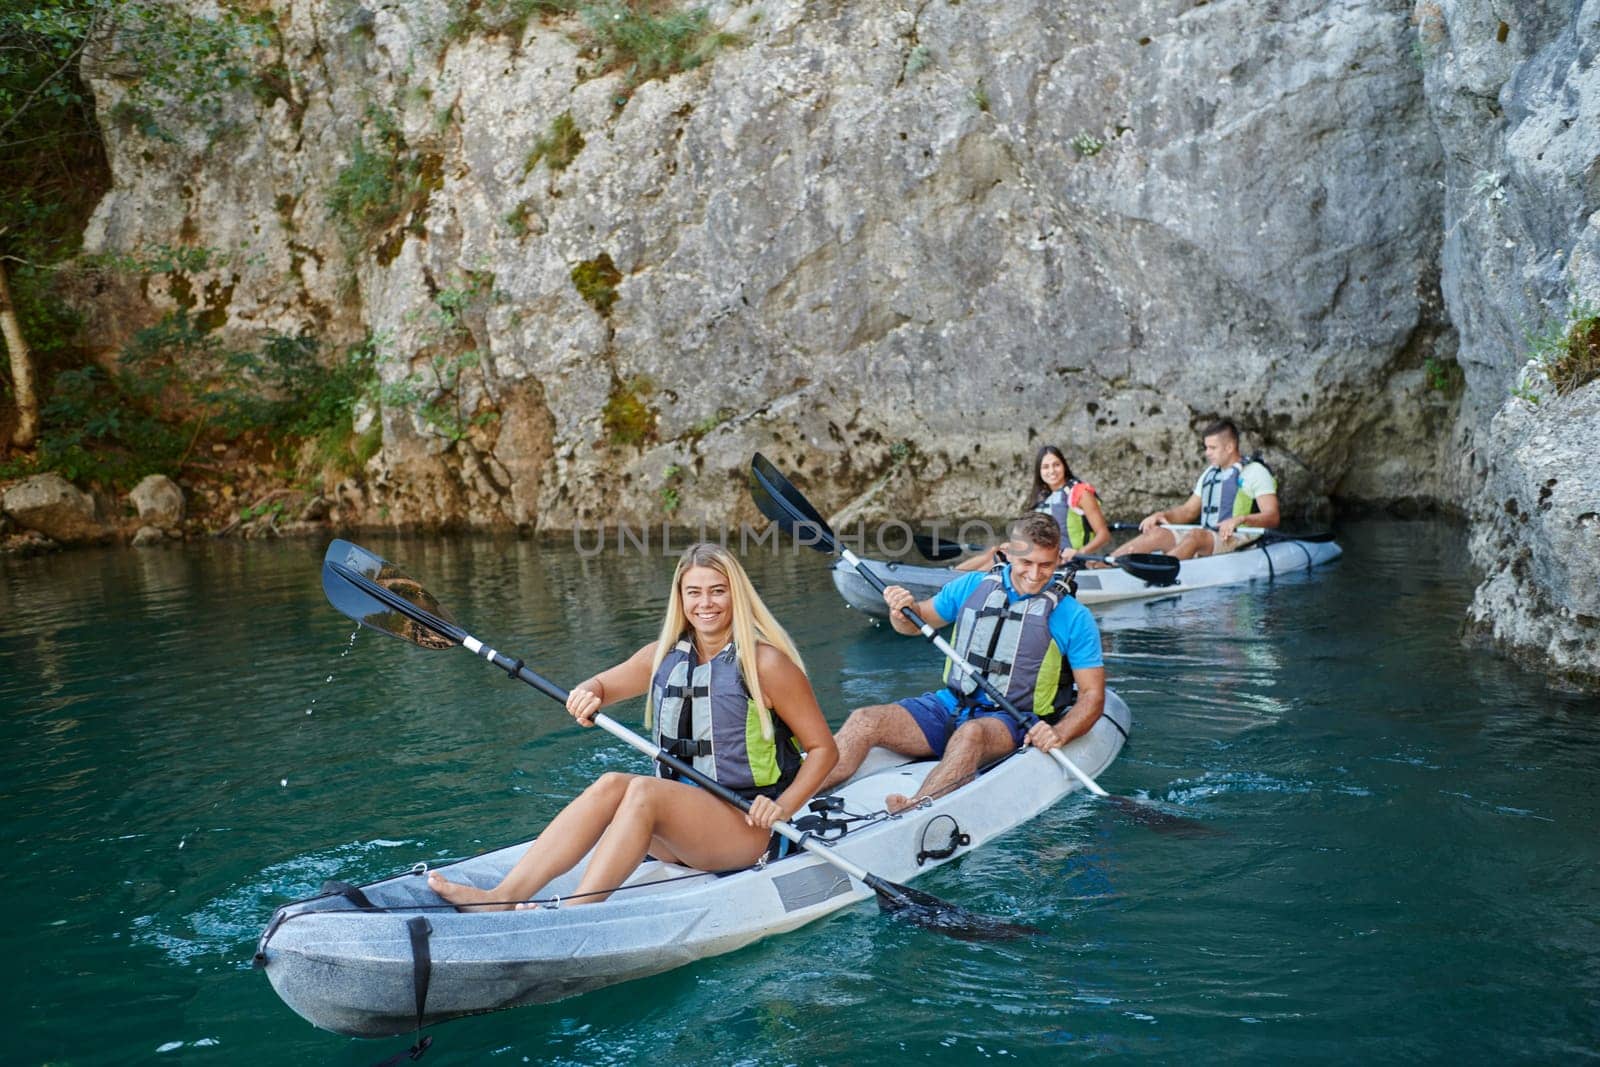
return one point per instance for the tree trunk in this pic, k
(21, 369)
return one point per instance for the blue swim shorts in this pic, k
(938, 722)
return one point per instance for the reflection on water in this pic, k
(1405, 859)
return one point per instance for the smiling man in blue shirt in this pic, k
(1017, 623)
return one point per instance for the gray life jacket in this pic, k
(1010, 644)
(705, 716)
(1074, 525)
(1219, 493)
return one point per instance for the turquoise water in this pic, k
(1405, 863)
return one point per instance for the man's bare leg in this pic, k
(972, 745)
(1159, 539)
(887, 725)
(1195, 543)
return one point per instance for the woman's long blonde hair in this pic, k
(752, 624)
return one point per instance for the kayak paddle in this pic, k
(781, 502)
(938, 550)
(1149, 567)
(378, 595)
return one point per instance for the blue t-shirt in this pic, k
(1071, 624)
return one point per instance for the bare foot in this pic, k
(529, 906)
(465, 896)
(895, 803)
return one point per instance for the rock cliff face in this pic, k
(897, 246)
(1515, 94)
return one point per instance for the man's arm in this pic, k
(898, 597)
(1083, 714)
(1185, 513)
(1267, 517)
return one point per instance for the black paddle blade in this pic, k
(931, 913)
(1160, 821)
(785, 505)
(937, 550)
(376, 594)
(1151, 567)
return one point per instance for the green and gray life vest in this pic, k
(705, 716)
(1222, 495)
(1010, 644)
(1074, 527)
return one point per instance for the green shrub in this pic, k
(627, 418)
(383, 182)
(1088, 145)
(918, 60)
(1442, 375)
(630, 37)
(173, 384)
(1576, 362)
(596, 281)
(671, 482)
(558, 147)
(469, 18)
(1569, 352)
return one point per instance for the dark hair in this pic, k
(1040, 490)
(1222, 426)
(1037, 529)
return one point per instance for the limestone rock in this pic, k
(967, 228)
(159, 501)
(147, 536)
(54, 507)
(1537, 537)
(1515, 96)
(27, 543)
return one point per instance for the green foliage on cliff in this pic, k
(1569, 351)
(435, 392)
(596, 281)
(1088, 145)
(385, 181)
(174, 385)
(470, 18)
(627, 416)
(157, 63)
(645, 39)
(633, 38)
(558, 147)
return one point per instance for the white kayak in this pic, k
(363, 970)
(1265, 558)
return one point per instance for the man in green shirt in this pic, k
(1232, 492)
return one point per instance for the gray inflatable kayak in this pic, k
(360, 963)
(1261, 560)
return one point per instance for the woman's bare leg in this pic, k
(562, 844)
(701, 830)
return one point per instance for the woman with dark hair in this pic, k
(1070, 501)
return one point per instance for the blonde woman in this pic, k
(727, 693)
